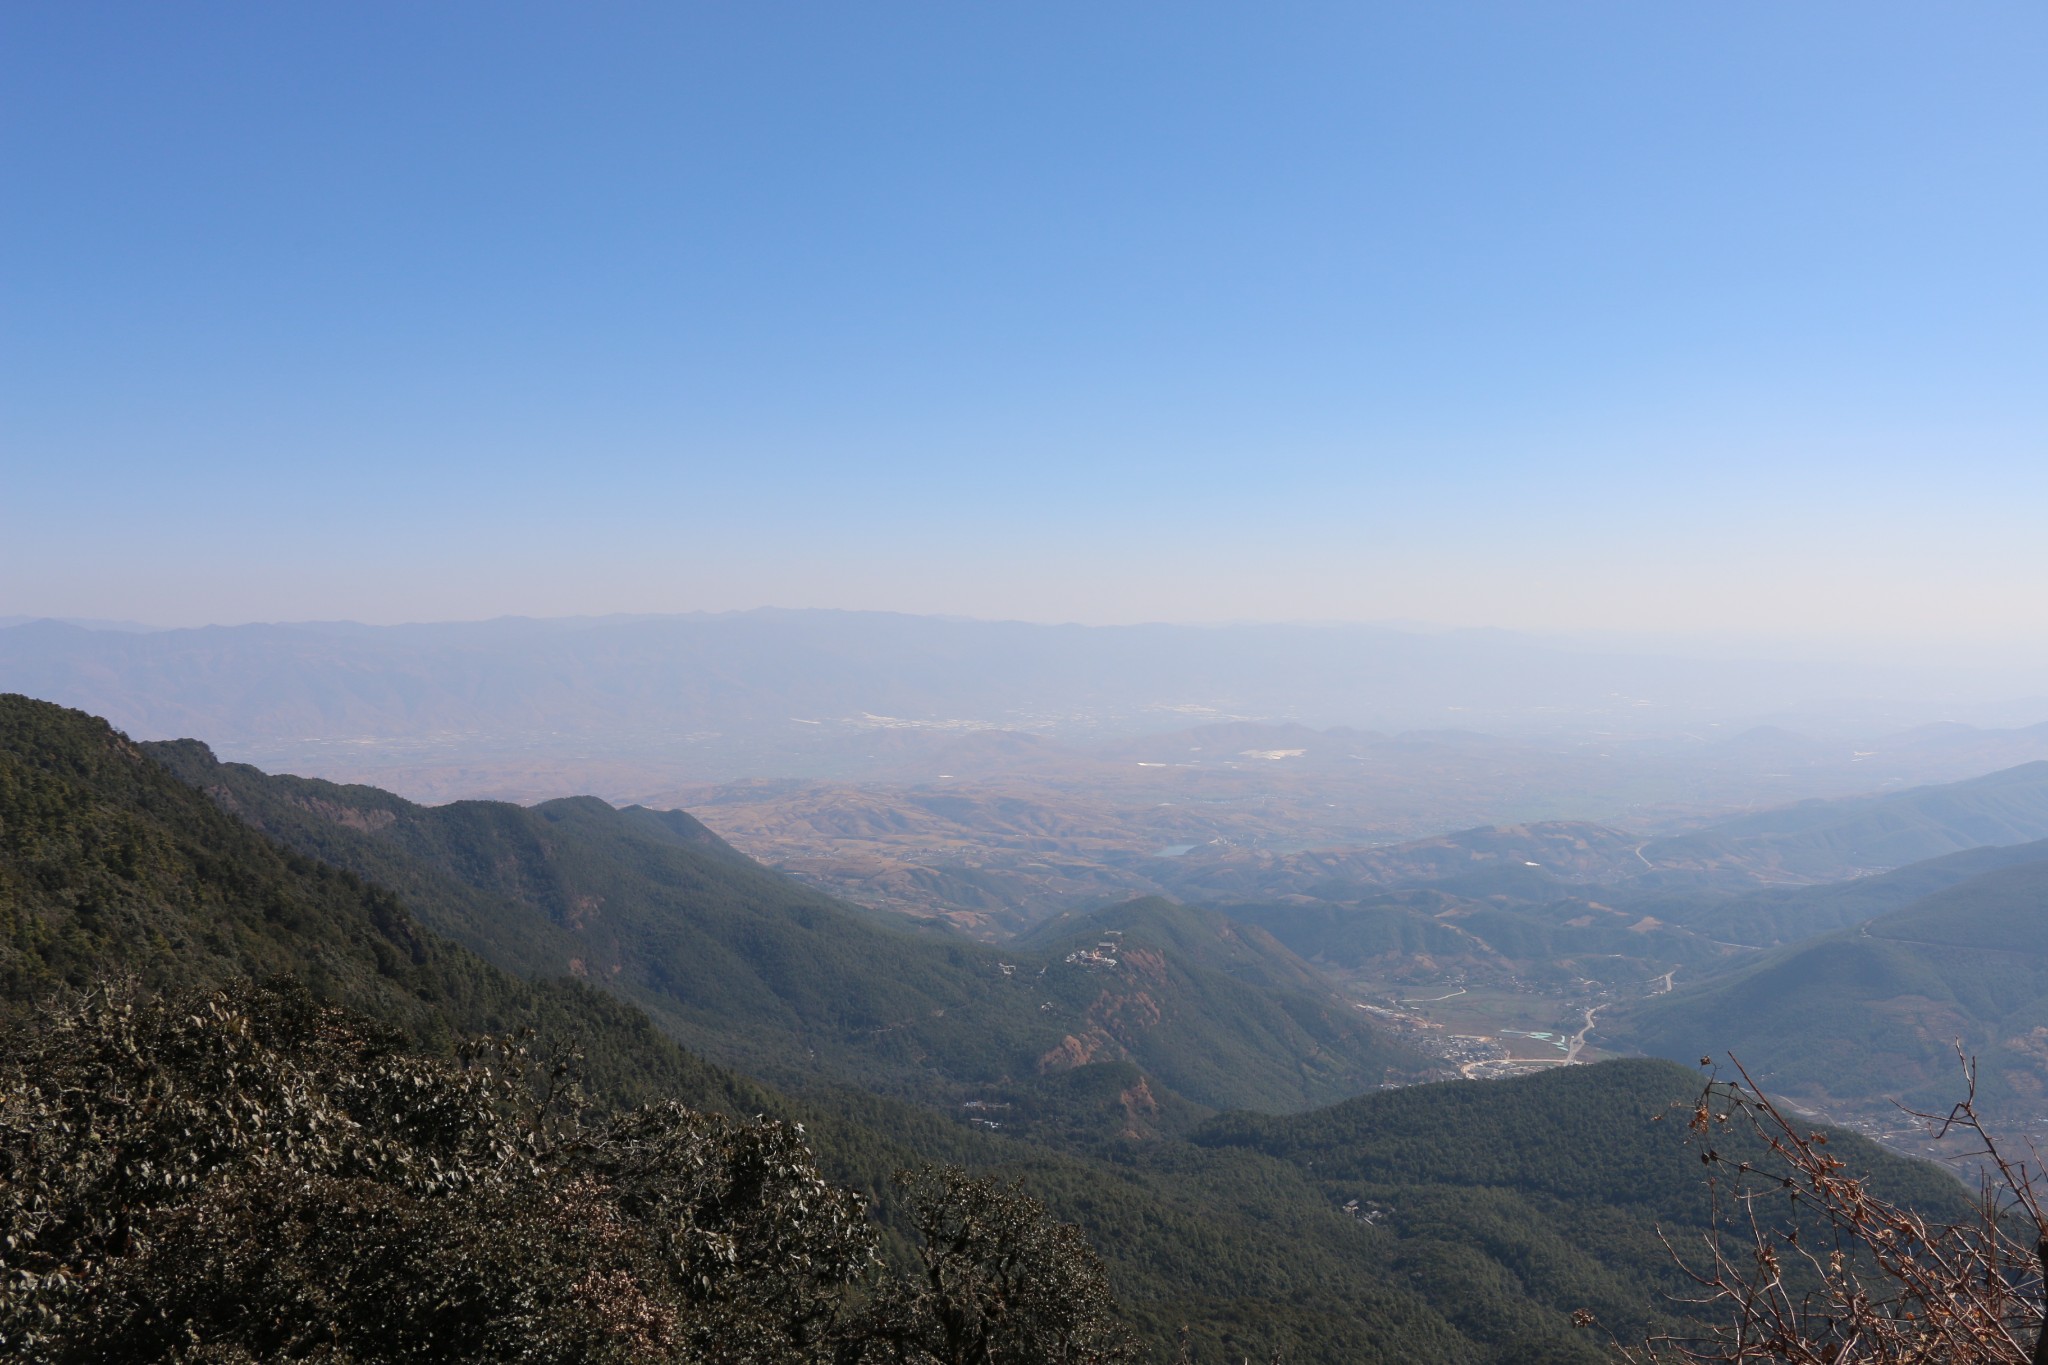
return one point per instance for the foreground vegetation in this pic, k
(248, 1175)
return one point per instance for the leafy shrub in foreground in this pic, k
(248, 1175)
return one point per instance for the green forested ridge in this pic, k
(1480, 1255)
(1785, 914)
(1249, 1020)
(109, 865)
(1531, 1135)
(760, 972)
(1549, 1188)
(1879, 1009)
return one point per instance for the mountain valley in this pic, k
(1116, 1056)
(1330, 1236)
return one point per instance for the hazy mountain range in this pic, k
(998, 772)
(806, 693)
(1244, 811)
(756, 970)
(1094, 1052)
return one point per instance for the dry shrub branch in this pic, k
(1807, 1264)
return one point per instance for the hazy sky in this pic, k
(1549, 315)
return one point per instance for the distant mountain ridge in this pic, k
(1331, 815)
(1808, 842)
(756, 675)
(1778, 915)
(994, 772)
(1568, 850)
(1824, 840)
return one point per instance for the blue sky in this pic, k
(1600, 316)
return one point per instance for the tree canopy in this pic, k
(246, 1174)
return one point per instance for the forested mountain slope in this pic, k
(1239, 1012)
(1549, 1188)
(109, 864)
(761, 972)
(1879, 1009)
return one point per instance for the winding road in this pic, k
(1578, 1040)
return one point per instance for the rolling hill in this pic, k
(1483, 933)
(1785, 914)
(1828, 840)
(1239, 1012)
(1562, 902)
(1852, 1017)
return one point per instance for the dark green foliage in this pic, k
(1528, 1135)
(109, 864)
(195, 914)
(104, 860)
(247, 1175)
(254, 1174)
(1100, 1108)
(1542, 1193)
(999, 1281)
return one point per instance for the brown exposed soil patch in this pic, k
(348, 817)
(1072, 1052)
